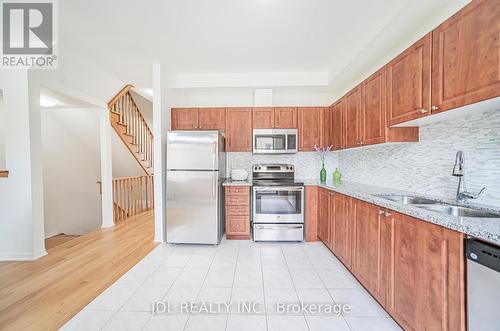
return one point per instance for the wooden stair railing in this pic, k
(129, 123)
(131, 196)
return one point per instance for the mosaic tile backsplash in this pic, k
(425, 167)
(307, 164)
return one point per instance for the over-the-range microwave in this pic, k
(275, 141)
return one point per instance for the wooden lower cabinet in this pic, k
(237, 204)
(413, 268)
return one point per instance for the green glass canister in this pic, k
(322, 174)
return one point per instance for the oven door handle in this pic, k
(278, 188)
(277, 227)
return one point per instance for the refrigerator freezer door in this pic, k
(193, 207)
(193, 150)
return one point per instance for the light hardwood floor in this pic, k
(44, 294)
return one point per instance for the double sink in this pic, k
(440, 207)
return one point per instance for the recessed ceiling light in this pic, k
(47, 102)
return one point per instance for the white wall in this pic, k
(2, 133)
(145, 106)
(21, 198)
(71, 168)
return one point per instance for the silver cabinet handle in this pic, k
(423, 111)
(381, 212)
(278, 227)
(434, 108)
(387, 214)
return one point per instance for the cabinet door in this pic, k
(211, 118)
(263, 117)
(341, 232)
(353, 117)
(373, 125)
(409, 83)
(367, 246)
(184, 118)
(427, 280)
(338, 125)
(465, 56)
(239, 129)
(324, 216)
(327, 138)
(285, 117)
(310, 127)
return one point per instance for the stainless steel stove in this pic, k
(277, 203)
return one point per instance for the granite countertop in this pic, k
(230, 182)
(482, 228)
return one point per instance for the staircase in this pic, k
(128, 122)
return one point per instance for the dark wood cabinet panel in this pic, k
(409, 83)
(327, 137)
(353, 106)
(238, 129)
(324, 216)
(338, 126)
(237, 205)
(285, 117)
(211, 118)
(465, 56)
(341, 228)
(312, 204)
(263, 117)
(373, 111)
(184, 118)
(310, 127)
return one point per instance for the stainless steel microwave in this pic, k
(275, 141)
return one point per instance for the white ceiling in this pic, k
(287, 42)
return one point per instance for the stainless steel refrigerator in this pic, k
(196, 163)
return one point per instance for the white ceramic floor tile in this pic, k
(298, 262)
(206, 250)
(88, 320)
(273, 296)
(163, 276)
(155, 258)
(274, 262)
(270, 249)
(112, 298)
(215, 322)
(293, 250)
(303, 278)
(176, 260)
(243, 298)
(145, 296)
(314, 295)
(224, 261)
(228, 250)
(275, 278)
(286, 323)
(372, 324)
(177, 295)
(199, 261)
(214, 294)
(326, 263)
(191, 277)
(248, 278)
(362, 304)
(167, 322)
(338, 279)
(219, 277)
(327, 323)
(136, 276)
(127, 321)
(246, 323)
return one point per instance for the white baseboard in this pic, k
(50, 235)
(22, 256)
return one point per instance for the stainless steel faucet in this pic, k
(459, 171)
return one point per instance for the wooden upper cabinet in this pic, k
(353, 106)
(285, 117)
(184, 118)
(427, 280)
(238, 129)
(373, 124)
(263, 117)
(327, 137)
(466, 56)
(211, 118)
(409, 83)
(338, 124)
(310, 127)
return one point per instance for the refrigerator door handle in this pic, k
(214, 185)
(214, 155)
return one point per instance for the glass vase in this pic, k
(322, 174)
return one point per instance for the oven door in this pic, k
(278, 204)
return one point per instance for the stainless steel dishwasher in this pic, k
(483, 286)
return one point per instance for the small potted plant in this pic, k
(322, 152)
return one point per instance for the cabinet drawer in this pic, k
(238, 225)
(237, 200)
(238, 210)
(237, 190)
